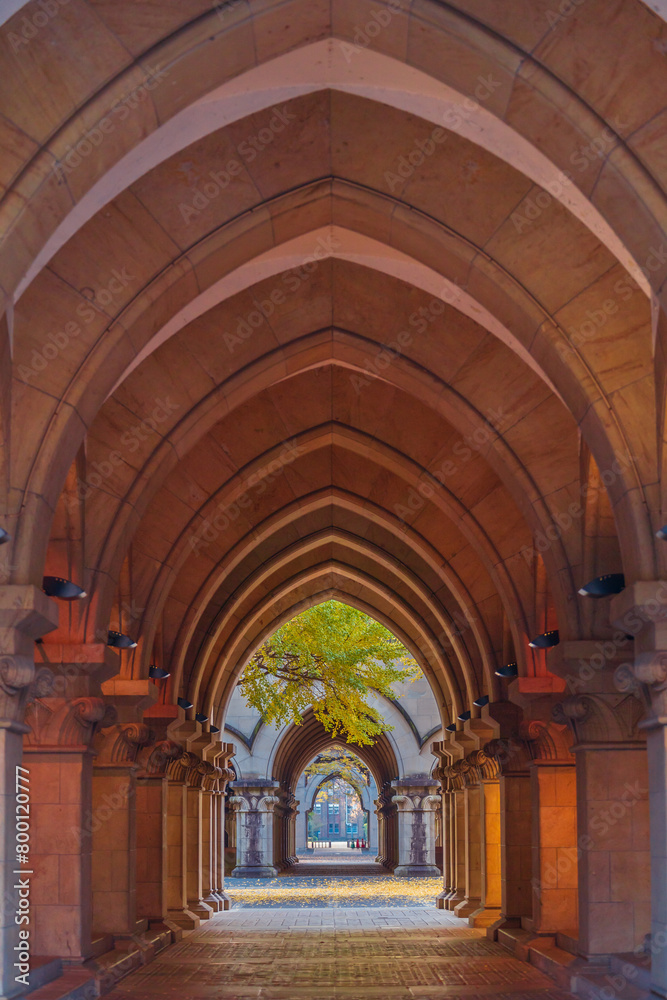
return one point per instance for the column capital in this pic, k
(548, 742)
(154, 758)
(61, 723)
(461, 775)
(485, 764)
(26, 609)
(119, 745)
(646, 680)
(597, 719)
(26, 613)
(641, 603)
(181, 767)
(512, 756)
(410, 797)
(254, 796)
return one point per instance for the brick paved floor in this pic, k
(354, 953)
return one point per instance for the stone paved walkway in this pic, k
(391, 953)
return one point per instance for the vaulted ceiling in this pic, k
(311, 299)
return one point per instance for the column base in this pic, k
(467, 907)
(225, 901)
(200, 909)
(252, 871)
(453, 901)
(214, 902)
(485, 917)
(184, 919)
(442, 899)
(412, 871)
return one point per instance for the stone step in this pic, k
(517, 940)
(43, 969)
(553, 961)
(568, 941)
(604, 987)
(635, 968)
(73, 984)
(101, 974)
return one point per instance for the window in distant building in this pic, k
(336, 830)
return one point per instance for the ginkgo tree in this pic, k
(340, 761)
(331, 657)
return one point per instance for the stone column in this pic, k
(114, 862)
(641, 609)
(177, 908)
(387, 828)
(253, 803)
(555, 856)
(489, 800)
(197, 835)
(222, 755)
(458, 833)
(283, 854)
(379, 815)
(613, 823)
(472, 843)
(25, 614)
(59, 757)
(416, 799)
(516, 817)
(441, 773)
(209, 834)
(152, 808)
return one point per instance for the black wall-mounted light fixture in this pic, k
(185, 704)
(451, 728)
(157, 673)
(4, 536)
(120, 641)
(546, 640)
(200, 717)
(604, 586)
(508, 670)
(481, 702)
(464, 716)
(214, 729)
(64, 590)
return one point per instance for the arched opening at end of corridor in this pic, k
(339, 790)
(334, 798)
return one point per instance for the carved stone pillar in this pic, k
(197, 835)
(284, 830)
(555, 856)
(208, 836)
(440, 773)
(472, 842)
(152, 807)
(177, 786)
(642, 610)
(613, 830)
(114, 862)
(58, 754)
(387, 828)
(253, 803)
(489, 827)
(65, 709)
(513, 761)
(222, 757)
(25, 614)
(416, 800)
